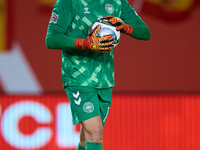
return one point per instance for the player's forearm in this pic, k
(57, 40)
(141, 31)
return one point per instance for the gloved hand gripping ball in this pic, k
(119, 24)
(92, 42)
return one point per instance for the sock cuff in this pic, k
(80, 147)
(93, 146)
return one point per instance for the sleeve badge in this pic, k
(54, 18)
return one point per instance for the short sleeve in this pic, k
(61, 16)
(128, 14)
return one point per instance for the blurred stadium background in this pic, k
(156, 100)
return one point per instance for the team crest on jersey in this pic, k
(54, 18)
(109, 8)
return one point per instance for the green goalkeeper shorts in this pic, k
(87, 103)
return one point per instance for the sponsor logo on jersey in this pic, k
(77, 98)
(109, 8)
(54, 18)
(88, 107)
(86, 10)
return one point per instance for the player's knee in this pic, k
(96, 134)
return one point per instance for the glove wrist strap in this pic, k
(79, 44)
(129, 29)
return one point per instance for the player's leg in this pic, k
(89, 133)
(93, 131)
(82, 137)
(105, 98)
(81, 145)
(84, 106)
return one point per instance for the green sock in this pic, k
(80, 147)
(93, 146)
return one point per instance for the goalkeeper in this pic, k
(87, 61)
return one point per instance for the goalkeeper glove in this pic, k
(119, 24)
(92, 42)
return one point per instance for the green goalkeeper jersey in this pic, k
(73, 18)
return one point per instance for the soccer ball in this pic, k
(106, 29)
